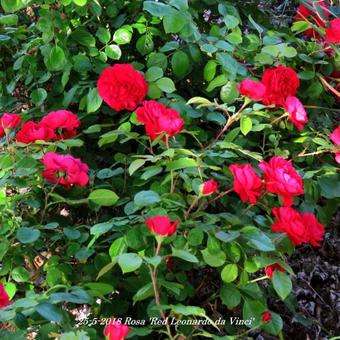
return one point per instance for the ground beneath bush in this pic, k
(317, 289)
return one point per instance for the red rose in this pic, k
(316, 229)
(246, 182)
(280, 83)
(303, 13)
(63, 122)
(209, 187)
(159, 119)
(161, 225)
(115, 330)
(122, 87)
(4, 298)
(31, 132)
(297, 113)
(270, 269)
(282, 179)
(65, 170)
(266, 316)
(333, 32)
(9, 121)
(300, 228)
(252, 89)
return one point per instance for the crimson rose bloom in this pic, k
(63, 122)
(161, 225)
(280, 83)
(333, 32)
(4, 298)
(159, 119)
(303, 13)
(246, 182)
(282, 179)
(252, 89)
(65, 170)
(266, 316)
(316, 229)
(297, 113)
(115, 330)
(335, 138)
(209, 187)
(122, 87)
(270, 269)
(8, 121)
(300, 228)
(31, 132)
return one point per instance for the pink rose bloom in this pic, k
(333, 32)
(8, 121)
(209, 187)
(335, 138)
(252, 89)
(282, 179)
(296, 110)
(65, 170)
(246, 182)
(4, 298)
(115, 330)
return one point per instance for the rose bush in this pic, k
(161, 160)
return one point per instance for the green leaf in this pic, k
(80, 2)
(217, 82)
(10, 289)
(246, 124)
(117, 247)
(230, 295)
(122, 36)
(93, 101)
(184, 255)
(78, 335)
(49, 312)
(181, 163)
(101, 228)
(99, 288)
(145, 44)
(166, 85)
(252, 310)
(83, 37)
(9, 20)
(282, 284)
(229, 93)
(106, 269)
(174, 22)
(11, 6)
(103, 35)
(113, 51)
(214, 260)
(229, 273)
(158, 9)
(103, 197)
(129, 262)
(146, 198)
(274, 326)
(209, 70)
(259, 240)
(143, 293)
(56, 59)
(27, 235)
(153, 73)
(180, 63)
(135, 165)
(20, 274)
(330, 186)
(187, 310)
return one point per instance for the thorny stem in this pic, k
(259, 279)
(156, 293)
(327, 85)
(172, 188)
(194, 202)
(303, 154)
(279, 118)
(213, 200)
(230, 121)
